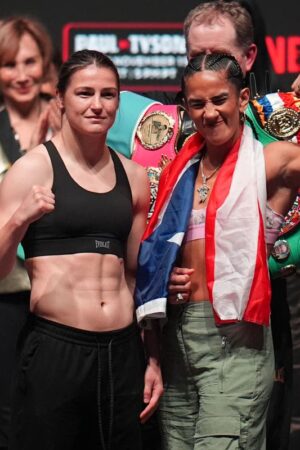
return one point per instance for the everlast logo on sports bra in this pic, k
(102, 244)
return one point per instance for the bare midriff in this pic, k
(83, 290)
(193, 256)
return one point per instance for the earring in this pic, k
(242, 117)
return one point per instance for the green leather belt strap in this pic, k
(291, 263)
(264, 137)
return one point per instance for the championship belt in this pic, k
(156, 136)
(277, 117)
(285, 256)
(156, 143)
(147, 132)
(132, 108)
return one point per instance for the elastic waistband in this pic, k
(68, 246)
(15, 296)
(77, 335)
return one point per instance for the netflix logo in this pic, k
(284, 53)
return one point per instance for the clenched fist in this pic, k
(39, 201)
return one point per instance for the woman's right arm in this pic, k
(25, 196)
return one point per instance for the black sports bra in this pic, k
(82, 221)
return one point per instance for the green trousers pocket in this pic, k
(218, 433)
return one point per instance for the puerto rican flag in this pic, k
(236, 259)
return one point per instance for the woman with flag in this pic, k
(203, 265)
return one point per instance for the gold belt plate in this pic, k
(283, 123)
(155, 130)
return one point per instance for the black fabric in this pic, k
(262, 63)
(14, 306)
(14, 310)
(166, 98)
(279, 412)
(82, 221)
(77, 389)
(293, 295)
(9, 144)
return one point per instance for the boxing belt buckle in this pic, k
(155, 130)
(278, 114)
(284, 123)
(156, 136)
(155, 143)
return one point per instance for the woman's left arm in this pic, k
(292, 165)
(283, 165)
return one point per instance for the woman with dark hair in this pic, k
(79, 210)
(26, 117)
(219, 208)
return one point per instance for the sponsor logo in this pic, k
(148, 55)
(102, 244)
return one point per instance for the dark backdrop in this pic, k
(281, 20)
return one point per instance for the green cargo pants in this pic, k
(218, 381)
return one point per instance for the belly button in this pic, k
(102, 304)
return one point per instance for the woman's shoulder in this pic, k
(138, 180)
(280, 151)
(31, 169)
(34, 164)
(37, 154)
(280, 158)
